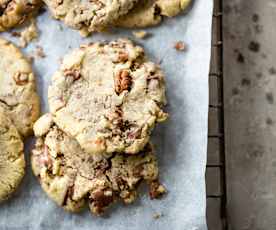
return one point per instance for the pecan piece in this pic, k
(123, 81)
(180, 46)
(156, 190)
(21, 78)
(100, 200)
(74, 73)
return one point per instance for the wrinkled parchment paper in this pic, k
(181, 142)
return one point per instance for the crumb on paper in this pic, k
(157, 215)
(180, 46)
(28, 34)
(39, 52)
(15, 34)
(141, 34)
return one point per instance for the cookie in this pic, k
(88, 16)
(108, 96)
(150, 12)
(12, 163)
(17, 88)
(72, 177)
(15, 12)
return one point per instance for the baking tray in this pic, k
(215, 172)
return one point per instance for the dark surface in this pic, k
(249, 53)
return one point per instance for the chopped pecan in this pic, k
(123, 81)
(74, 73)
(101, 199)
(180, 46)
(21, 78)
(156, 190)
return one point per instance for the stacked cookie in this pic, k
(19, 109)
(94, 145)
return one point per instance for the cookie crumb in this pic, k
(156, 190)
(39, 52)
(28, 34)
(15, 34)
(157, 215)
(141, 34)
(180, 46)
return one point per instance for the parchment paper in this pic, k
(181, 142)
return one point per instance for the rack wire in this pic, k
(215, 173)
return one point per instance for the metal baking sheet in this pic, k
(181, 142)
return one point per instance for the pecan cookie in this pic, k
(108, 96)
(150, 12)
(12, 163)
(17, 88)
(73, 178)
(88, 16)
(15, 12)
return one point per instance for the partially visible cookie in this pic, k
(15, 12)
(108, 96)
(18, 94)
(88, 16)
(150, 12)
(72, 177)
(12, 163)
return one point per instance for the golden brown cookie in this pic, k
(88, 16)
(15, 12)
(150, 12)
(108, 96)
(72, 177)
(18, 94)
(12, 163)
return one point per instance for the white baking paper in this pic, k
(181, 142)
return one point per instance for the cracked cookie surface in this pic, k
(108, 96)
(15, 12)
(88, 16)
(17, 88)
(12, 163)
(150, 12)
(72, 177)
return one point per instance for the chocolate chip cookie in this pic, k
(15, 12)
(18, 94)
(12, 163)
(108, 96)
(88, 16)
(72, 177)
